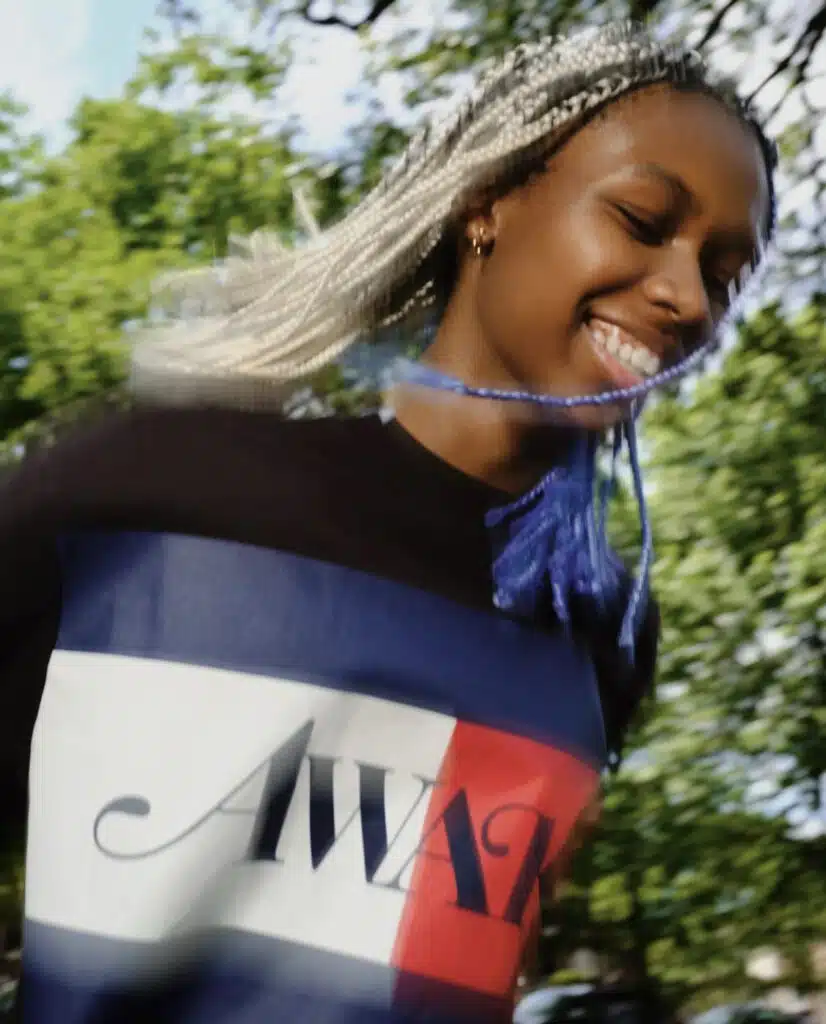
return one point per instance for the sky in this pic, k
(54, 52)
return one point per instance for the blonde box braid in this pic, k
(244, 331)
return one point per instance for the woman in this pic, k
(301, 744)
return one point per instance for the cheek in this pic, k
(604, 257)
(540, 276)
(515, 286)
(527, 286)
(519, 312)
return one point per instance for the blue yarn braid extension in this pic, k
(549, 540)
(552, 540)
(638, 601)
(406, 371)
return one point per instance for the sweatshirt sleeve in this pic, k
(29, 611)
(72, 482)
(143, 469)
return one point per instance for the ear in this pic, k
(479, 221)
(486, 214)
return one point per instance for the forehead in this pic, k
(689, 135)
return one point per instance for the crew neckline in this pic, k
(489, 494)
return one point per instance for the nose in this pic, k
(676, 286)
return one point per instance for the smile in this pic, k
(623, 348)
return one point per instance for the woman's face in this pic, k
(620, 258)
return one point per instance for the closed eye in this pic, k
(645, 230)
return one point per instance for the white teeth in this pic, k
(634, 356)
(652, 362)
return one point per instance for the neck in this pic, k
(505, 444)
(480, 441)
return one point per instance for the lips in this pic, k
(626, 358)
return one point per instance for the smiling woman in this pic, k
(300, 740)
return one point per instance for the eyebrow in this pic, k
(729, 239)
(674, 182)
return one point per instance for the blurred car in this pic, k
(538, 1007)
(590, 1004)
(748, 1013)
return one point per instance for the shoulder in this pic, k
(194, 471)
(128, 454)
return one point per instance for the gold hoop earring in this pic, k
(480, 245)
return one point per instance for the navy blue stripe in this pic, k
(229, 605)
(231, 977)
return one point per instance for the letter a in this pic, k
(463, 855)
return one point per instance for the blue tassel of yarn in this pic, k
(553, 540)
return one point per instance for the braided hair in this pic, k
(244, 331)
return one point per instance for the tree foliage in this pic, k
(743, 571)
(139, 190)
(787, 36)
(712, 844)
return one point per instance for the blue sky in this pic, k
(53, 52)
(113, 40)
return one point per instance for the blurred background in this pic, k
(137, 136)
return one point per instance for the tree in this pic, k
(677, 891)
(787, 37)
(158, 179)
(138, 191)
(742, 571)
(709, 847)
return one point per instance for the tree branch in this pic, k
(808, 39)
(179, 15)
(640, 10)
(372, 16)
(716, 22)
